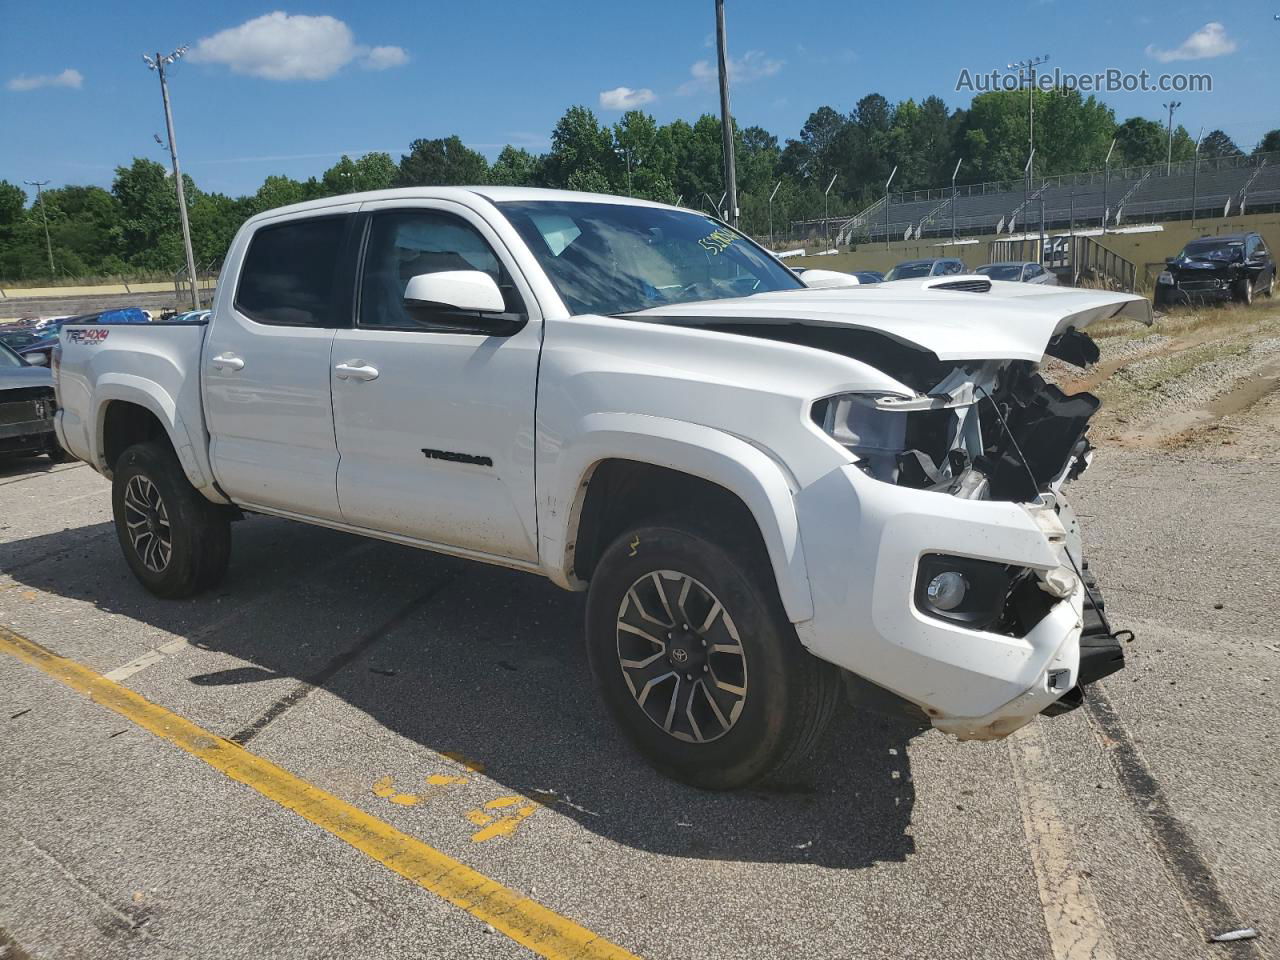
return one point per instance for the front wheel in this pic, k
(693, 653)
(175, 541)
(1244, 291)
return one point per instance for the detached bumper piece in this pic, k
(1101, 653)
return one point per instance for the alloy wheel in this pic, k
(681, 656)
(147, 520)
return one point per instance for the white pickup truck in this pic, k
(767, 487)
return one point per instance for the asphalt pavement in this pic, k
(450, 702)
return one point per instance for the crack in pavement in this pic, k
(338, 663)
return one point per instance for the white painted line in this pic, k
(154, 656)
(1071, 915)
(147, 659)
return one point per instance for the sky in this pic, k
(267, 89)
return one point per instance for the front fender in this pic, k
(704, 452)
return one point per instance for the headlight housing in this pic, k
(1165, 277)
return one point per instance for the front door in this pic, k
(266, 366)
(434, 412)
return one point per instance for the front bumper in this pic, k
(863, 540)
(1196, 291)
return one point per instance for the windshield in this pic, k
(1002, 271)
(19, 338)
(612, 258)
(1212, 250)
(8, 358)
(906, 271)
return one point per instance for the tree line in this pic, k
(133, 229)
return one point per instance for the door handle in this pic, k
(356, 370)
(227, 361)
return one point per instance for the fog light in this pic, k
(946, 591)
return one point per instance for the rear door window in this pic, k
(292, 274)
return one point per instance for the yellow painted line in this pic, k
(1072, 917)
(525, 921)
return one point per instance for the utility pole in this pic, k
(158, 64)
(44, 215)
(1171, 106)
(771, 196)
(726, 121)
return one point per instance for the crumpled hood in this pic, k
(1014, 321)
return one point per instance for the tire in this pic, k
(149, 487)
(1244, 291)
(787, 695)
(1271, 287)
(55, 453)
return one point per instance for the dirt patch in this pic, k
(1201, 380)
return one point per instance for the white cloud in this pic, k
(282, 46)
(1211, 40)
(624, 98)
(70, 78)
(384, 58)
(752, 65)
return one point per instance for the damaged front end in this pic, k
(993, 431)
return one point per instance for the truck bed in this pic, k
(155, 365)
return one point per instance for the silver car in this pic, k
(1018, 271)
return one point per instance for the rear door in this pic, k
(436, 428)
(266, 364)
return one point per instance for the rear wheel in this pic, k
(1271, 286)
(175, 541)
(694, 655)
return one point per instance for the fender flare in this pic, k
(147, 394)
(744, 470)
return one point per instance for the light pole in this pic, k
(158, 63)
(1106, 182)
(1195, 170)
(826, 208)
(726, 121)
(44, 215)
(886, 206)
(626, 158)
(771, 196)
(1026, 189)
(1028, 66)
(1171, 106)
(953, 198)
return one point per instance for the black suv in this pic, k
(1232, 267)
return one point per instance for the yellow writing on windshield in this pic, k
(717, 241)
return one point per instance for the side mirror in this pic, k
(469, 290)
(827, 279)
(38, 360)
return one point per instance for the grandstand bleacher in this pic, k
(1217, 187)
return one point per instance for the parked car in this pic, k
(932, 267)
(760, 487)
(869, 276)
(1018, 271)
(34, 346)
(1231, 267)
(191, 316)
(26, 408)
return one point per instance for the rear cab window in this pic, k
(293, 274)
